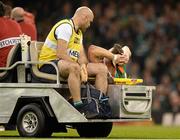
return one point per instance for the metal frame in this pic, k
(63, 110)
(32, 62)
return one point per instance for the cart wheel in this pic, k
(31, 122)
(102, 129)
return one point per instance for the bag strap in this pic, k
(89, 86)
(88, 93)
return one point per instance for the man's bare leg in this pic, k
(100, 71)
(72, 72)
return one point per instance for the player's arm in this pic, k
(63, 34)
(62, 50)
(98, 52)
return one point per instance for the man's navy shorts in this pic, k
(48, 68)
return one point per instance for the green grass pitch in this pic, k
(118, 132)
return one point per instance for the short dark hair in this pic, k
(2, 9)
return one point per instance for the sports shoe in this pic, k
(89, 110)
(105, 108)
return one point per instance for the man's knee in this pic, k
(74, 68)
(102, 68)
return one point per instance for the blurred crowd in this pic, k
(150, 28)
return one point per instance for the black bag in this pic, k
(97, 101)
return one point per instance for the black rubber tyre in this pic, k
(31, 122)
(102, 129)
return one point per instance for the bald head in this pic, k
(17, 13)
(83, 17)
(84, 10)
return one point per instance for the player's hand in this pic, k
(84, 74)
(124, 59)
(120, 59)
(125, 56)
(116, 59)
(127, 52)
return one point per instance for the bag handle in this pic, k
(89, 86)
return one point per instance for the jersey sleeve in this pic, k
(64, 31)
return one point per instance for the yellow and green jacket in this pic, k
(48, 51)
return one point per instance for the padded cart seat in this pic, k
(37, 75)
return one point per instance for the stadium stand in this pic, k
(150, 28)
